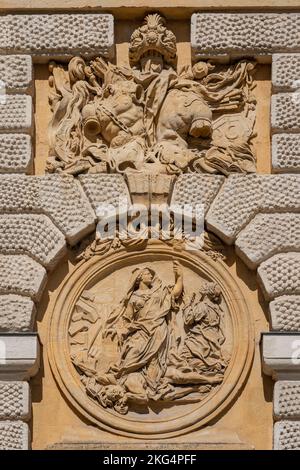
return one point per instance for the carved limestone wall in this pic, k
(41, 216)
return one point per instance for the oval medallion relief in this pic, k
(150, 344)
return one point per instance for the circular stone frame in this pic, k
(96, 268)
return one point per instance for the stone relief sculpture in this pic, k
(149, 117)
(159, 344)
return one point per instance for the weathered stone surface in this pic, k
(285, 112)
(287, 435)
(16, 313)
(14, 435)
(285, 313)
(19, 356)
(31, 234)
(20, 274)
(243, 196)
(14, 400)
(104, 189)
(286, 72)
(286, 152)
(195, 189)
(57, 35)
(266, 235)
(238, 33)
(287, 399)
(280, 275)
(60, 197)
(16, 73)
(281, 355)
(16, 114)
(15, 153)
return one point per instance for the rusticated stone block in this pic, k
(286, 72)
(16, 114)
(20, 274)
(287, 435)
(19, 355)
(14, 400)
(15, 153)
(280, 275)
(244, 33)
(31, 234)
(104, 189)
(16, 73)
(57, 35)
(243, 196)
(266, 235)
(285, 112)
(196, 190)
(285, 313)
(16, 313)
(14, 435)
(287, 399)
(286, 152)
(59, 197)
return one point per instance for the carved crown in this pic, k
(152, 38)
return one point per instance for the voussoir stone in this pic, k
(196, 190)
(20, 274)
(244, 33)
(61, 198)
(57, 35)
(16, 114)
(286, 72)
(266, 235)
(280, 275)
(16, 313)
(14, 435)
(286, 399)
(16, 73)
(287, 435)
(14, 400)
(105, 190)
(285, 112)
(241, 197)
(34, 235)
(286, 152)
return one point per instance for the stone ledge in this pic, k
(287, 399)
(285, 72)
(16, 73)
(33, 235)
(59, 36)
(17, 313)
(280, 275)
(194, 189)
(14, 435)
(61, 198)
(285, 112)
(21, 275)
(285, 313)
(281, 355)
(15, 154)
(286, 153)
(243, 196)
(19, 355)
(16, 114)
(287, 435)
(266, 235)
(237, 34)
(14, 400)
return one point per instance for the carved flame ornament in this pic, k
(150, 117)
